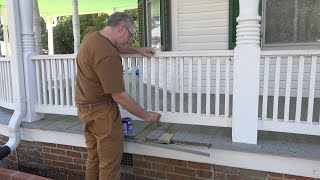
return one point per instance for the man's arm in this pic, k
(148, 52)
(134, 108)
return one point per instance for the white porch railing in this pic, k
(180, 85)
(6, 92)
(290, 88)
(56, 83)
(192, 87)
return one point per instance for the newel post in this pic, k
(246, 74)
(28, 50)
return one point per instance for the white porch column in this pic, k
(28, 49)
(50, 23)
(246, 74)
(37, 26)
(75, 26)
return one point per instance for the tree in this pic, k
(63, 35)
(1, 32)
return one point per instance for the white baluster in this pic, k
(190, 86)
(227, 88)
(312, 88)
(164, 62)
(288, 90)
(217, 105)
(276, 89)
(265, 88)
(299, 90)
(199, 86)
(181, 84)
(208, 86)
(156, 74)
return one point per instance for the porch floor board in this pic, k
(275, 143)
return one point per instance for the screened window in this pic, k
(153, 13)
(292, 22)
(154, 24)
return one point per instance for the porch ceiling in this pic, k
(49, 8)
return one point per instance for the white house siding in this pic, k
(294, 78)
(203, 24)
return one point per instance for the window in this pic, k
(153, 17)
(154, 24)
(292, 22)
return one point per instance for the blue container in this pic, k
(127, 125)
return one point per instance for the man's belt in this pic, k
(85, 106)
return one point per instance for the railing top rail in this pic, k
(56, 56)
(158, 54)
(4, 58)
(222, 53)
(217, 53)
(290, 53)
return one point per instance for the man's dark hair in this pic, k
(115, 19)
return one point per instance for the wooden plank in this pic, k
(165, 138)
(217, 137)
(76, 127)
(161, 128)
(60, 124)
(181, 132)
(269, 142)
(143, 134)
(50, 119)
(196, 135)
(137, 127)
(226, 140)
(209, 135)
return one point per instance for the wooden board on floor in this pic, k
(181, 131)
(161, 128)
(137, 127)
(143, 134)
(196, 135)
(165, 138)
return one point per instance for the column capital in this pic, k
(248, 28)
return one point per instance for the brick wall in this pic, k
(68, 162)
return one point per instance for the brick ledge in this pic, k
(17, 175)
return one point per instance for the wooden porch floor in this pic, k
(283, 144)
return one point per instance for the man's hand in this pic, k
(147, 51)
(152, 117)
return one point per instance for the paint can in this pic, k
(127, 125)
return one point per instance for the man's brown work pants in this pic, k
(104, 139)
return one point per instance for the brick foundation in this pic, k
(68, 162)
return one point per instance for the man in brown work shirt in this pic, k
(100, 88)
